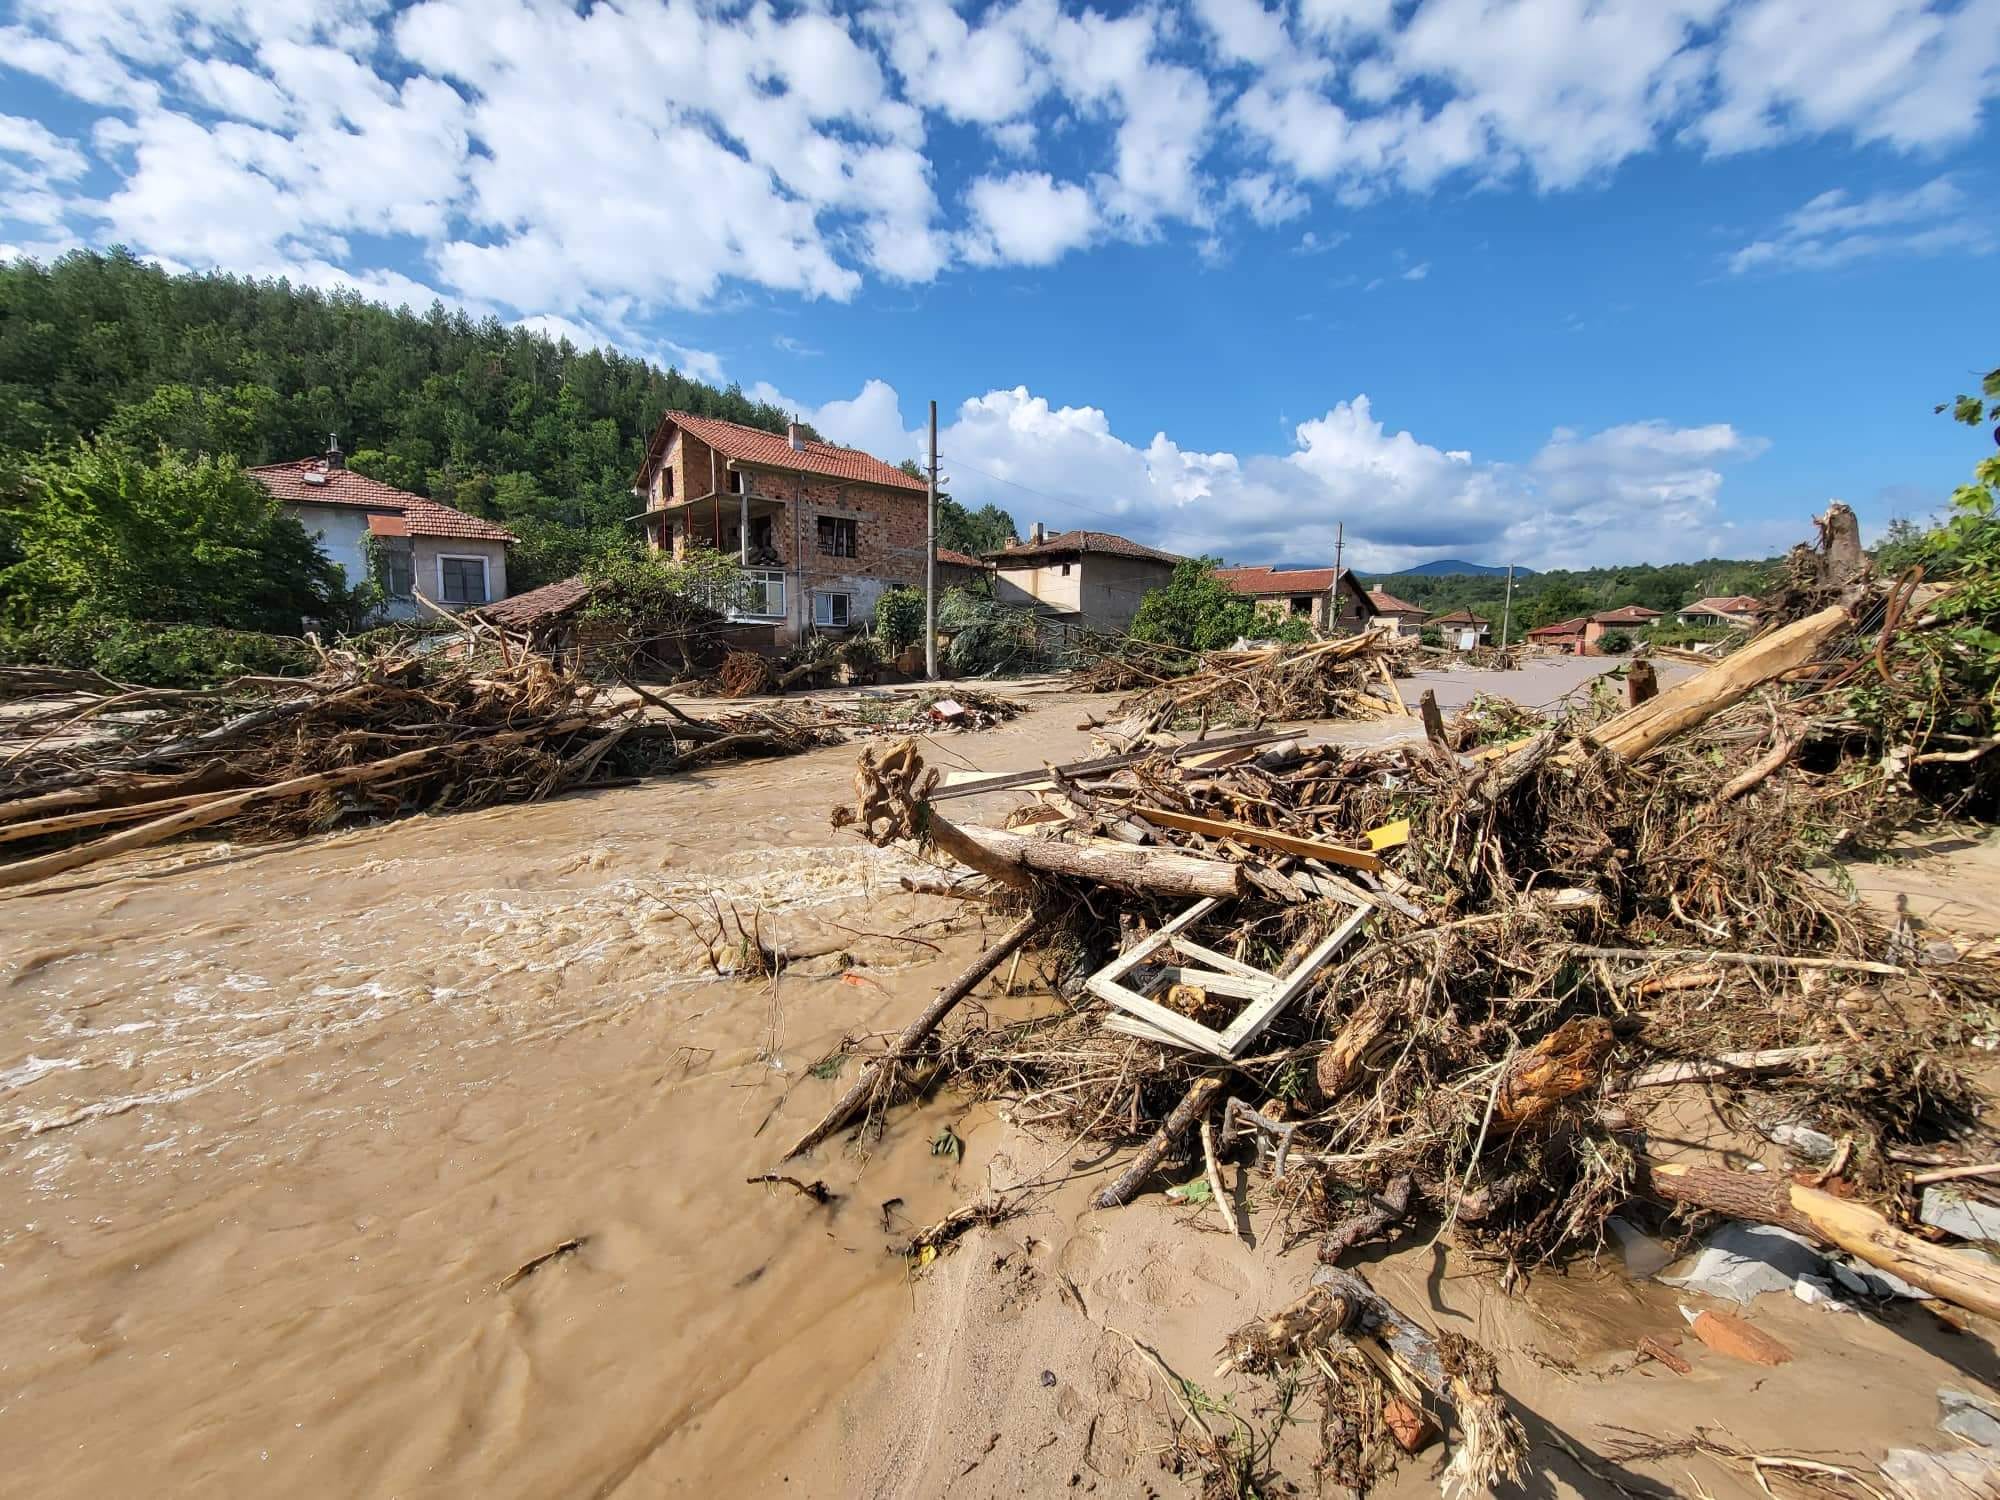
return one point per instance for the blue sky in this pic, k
(1559, 282)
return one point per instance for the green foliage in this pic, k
(1965, 549)
(1430, 635)
(986, 637)
(1196, 611)
(1614, 643)
(158, 655)
(899, 617)
(504, 422)
(100, 532)
(1562, 594)
(659, 591)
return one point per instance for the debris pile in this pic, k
(1349, 677)
(1445, 981)
(368, 736)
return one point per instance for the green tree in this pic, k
(974, 532)
(1196, 611)
(99, 531)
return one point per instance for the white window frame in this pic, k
(762, 582)
(485, 578)
(827, 596)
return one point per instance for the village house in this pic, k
(1462, 629)
(451, 558)
(1583, 635)
(823, 531)
(1739, 610)
(1090, 579)
(1334, 602)
(1399, 616)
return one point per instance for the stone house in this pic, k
(961, 570)
(1090, 579)
(1400, 617)
(1581, 636)
(1463, 629)
(824, 531)
(451, 558)
(1334, 602)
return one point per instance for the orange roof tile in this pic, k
(1389, 604)
(308, 481)
(1106, 542)
(752, 445)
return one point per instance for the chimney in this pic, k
(1039, 534)
(795, 436)
(335, 459)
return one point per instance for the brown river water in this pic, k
(275, 1123)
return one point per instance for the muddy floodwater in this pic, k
(277, 1125)
(278, 1122)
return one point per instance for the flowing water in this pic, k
(274, 1125)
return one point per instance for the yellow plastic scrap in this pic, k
(1389, 835)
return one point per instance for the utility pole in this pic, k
(1507, 608)
(930, 560)
(1339, 544)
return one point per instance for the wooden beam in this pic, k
(1246, 833)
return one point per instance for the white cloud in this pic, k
(1026, 218)
(1418, 272)
(1267, 200)
(1638, 491)
(1836, 229)
(1243, 29)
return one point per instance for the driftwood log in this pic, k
(1147, 1162)
(1159, 872)
(875, 1074)
(1859, 1230)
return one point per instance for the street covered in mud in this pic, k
(418, 1158)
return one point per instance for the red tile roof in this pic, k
(953, 559)
(1627, 614)
(1460, 617)
(1561, 628)
(752, 445)
(1734, 604)
(1389, 604)
(1067, 542)
(1264, 580)
(308, 481)
(521, 611)
(381, 523)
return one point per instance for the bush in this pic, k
(1614, 643)
(1196, 611)
(899, 617)
(159, 655)
(100, 532)
(1430, 635)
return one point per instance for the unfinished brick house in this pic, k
(1331, 601)
(823, 531)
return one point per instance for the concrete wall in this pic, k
(1057, 585)
(428, 549)
(1113, 587)
(342, 531)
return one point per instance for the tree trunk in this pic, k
(1147, 1162)
(857, 1097)
(1162, 872)
(1861, 1231)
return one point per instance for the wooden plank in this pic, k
(1334, 854)
(1188, 1033)
(1122, 965)
(1221, 961)
(1259, 987)
(1246, 1027)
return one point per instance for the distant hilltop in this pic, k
(1446, 567)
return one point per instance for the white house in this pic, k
(453, 559)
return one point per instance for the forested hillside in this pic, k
(507, 424)
(1543, 598)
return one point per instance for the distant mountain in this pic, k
(1448, 567)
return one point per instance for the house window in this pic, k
(1302, 604)
(736, 482)
(1065, 570)
(667, 483)
(399, 571)
(462, 580)
(836, 536)
(830, 611)
(763, 596)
